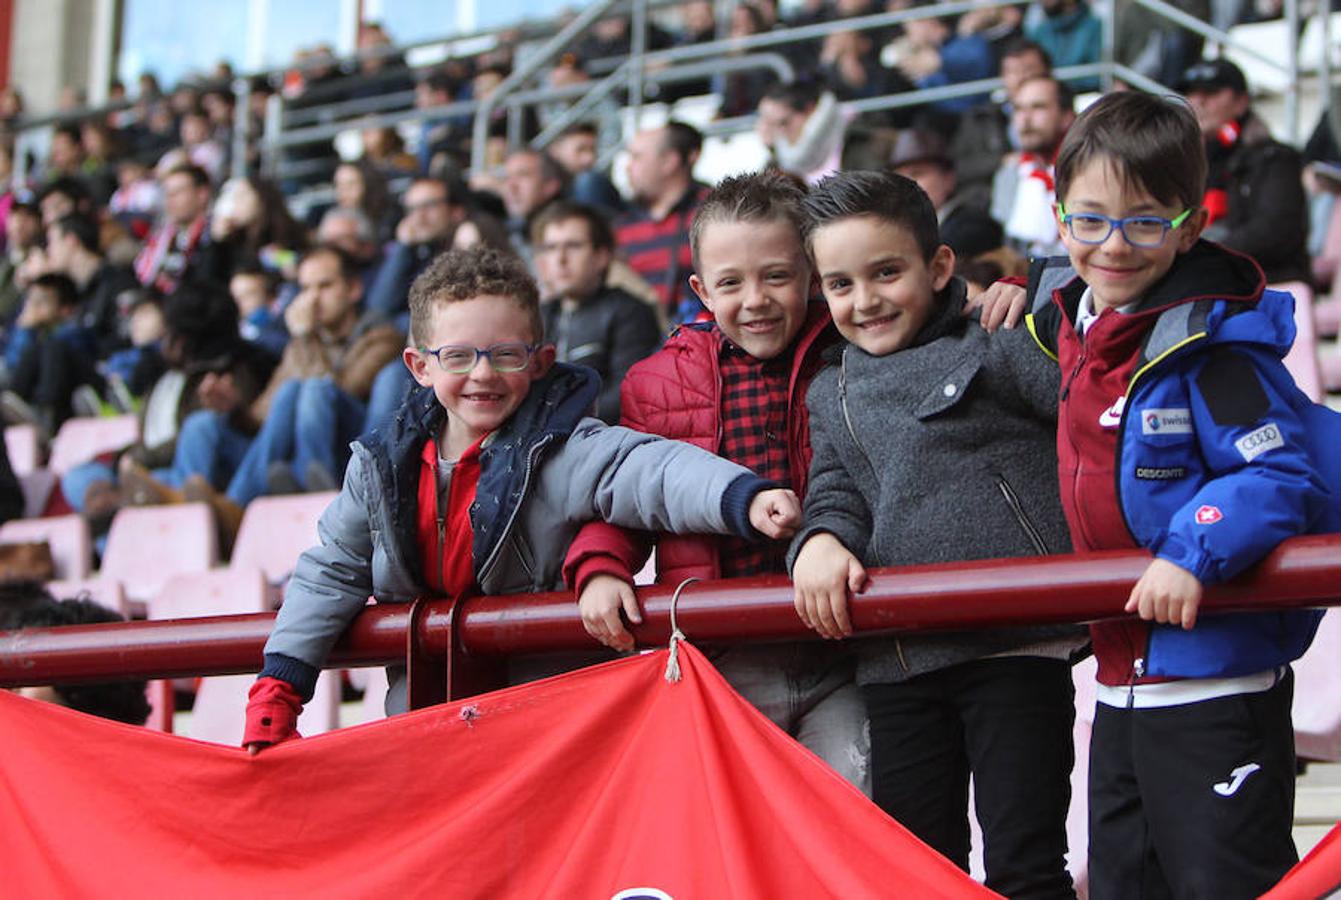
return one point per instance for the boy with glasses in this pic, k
(1181, 432)
(482, 480)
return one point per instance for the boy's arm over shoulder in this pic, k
(1022, 369)
(1263, 485)
(329, 586)
(833, 501)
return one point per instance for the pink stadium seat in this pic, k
(1317, 715)
(147, 545)
(221, 702)
(276, 530)
(68, 536)
(24, 447)
(106, 592)
(82, 439)
(1327, 311)
(1302, 360)
(36, 486)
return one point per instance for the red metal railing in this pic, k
(449, 648)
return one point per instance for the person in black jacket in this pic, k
(589, 323)
(1254, 187)
(920, 154)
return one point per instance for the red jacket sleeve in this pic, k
(604, 549)
(272, 712)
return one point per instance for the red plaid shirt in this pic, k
(754, 434)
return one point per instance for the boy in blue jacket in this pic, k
(1179, 431)
(482, 480)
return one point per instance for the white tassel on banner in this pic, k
(673, 660)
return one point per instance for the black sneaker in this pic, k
(280, 479)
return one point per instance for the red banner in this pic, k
(586, 785)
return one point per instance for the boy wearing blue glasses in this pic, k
(481, 481)
(1179, 431)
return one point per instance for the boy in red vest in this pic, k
(482, 480)
(736, 386)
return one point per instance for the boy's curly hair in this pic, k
(767, 196)
(459, 275)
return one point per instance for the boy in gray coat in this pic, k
(483, 478)
(934, 443)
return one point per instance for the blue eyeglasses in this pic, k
(1139, 231)
(458, 359)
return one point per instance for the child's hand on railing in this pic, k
(824, 574)
(602, 599)
(1166, 593)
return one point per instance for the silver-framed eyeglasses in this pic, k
(458, 359)
(1139, 231)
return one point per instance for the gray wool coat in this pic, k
(941, 452)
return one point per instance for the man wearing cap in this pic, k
(1254, 188)
(920, 154)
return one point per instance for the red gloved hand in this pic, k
(272, 712)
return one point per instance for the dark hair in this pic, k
(67, 295)
(685, 141)
(599, 231)
(28, 209)
(199, 177)
(883, 196)
(349, 270)
(121, 701)
(438, 81)
(1152, 142)
(799, 95)
(70, 131)
(460, 275)
(768, 196)
(453, 189)
(203, 318)
(550, 170)
(82, 228)
(588, 128)
(1023, 46)
(1066, 95)
(274, 223)
(69, 187)
(376, 196)
(251, 268)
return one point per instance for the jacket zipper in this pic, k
(516, 509)
(1013, 501)
(442, 564)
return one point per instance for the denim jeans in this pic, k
(206, 445)
(806, 689)
(389, 389)
(76, 482)
(310, 421)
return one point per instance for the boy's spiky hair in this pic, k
(768, 196)
(1152, 142)
(883, 196)
(460, 275)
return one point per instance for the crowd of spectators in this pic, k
(137, 276)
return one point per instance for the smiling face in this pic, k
(1117, 272)
(754, 278)
(481, 400)
(881, 289)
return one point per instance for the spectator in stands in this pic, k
(63, 197)
(65, 156)
(250, 220)
(138, 199)
(360, 186)
(803, 128)
(653, 234)
(382, 69)
(741, 91)
(207, 366)
(930, 54)
(50, 354)
(182, 248)
(72, 250)
(1156, 47)
(441, 138)
(576, 149)
(698, 23)
(198, 141)
(850, 67)
(1254, 188)
(384, 149)
(983, 138)
(23, 234)
(131, 373)
(30, 605)
(433, 209)
(531, 181)
(255, 290)
(969, 231)
(102, 150)
(602, 327)
(1071, 34)
(315, 402)
(353, 232)
(1022, 192)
